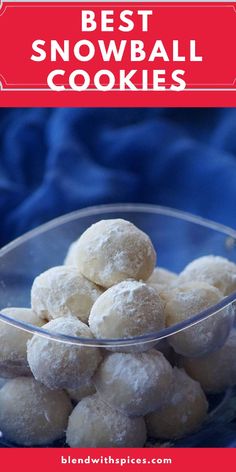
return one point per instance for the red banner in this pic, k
(113, 54)
(173, 460)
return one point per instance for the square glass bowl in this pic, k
(178, 238)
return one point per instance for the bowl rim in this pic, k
(123, 207)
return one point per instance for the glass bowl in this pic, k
(178, 237)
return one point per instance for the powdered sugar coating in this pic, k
(134, 384)
(216, 371)
(71, 255)
(63, 291)
(31, 414)
(113, 250)
(182, 303)
(183, 414)
(127, 309)
(94, 424)
(215, 270)
(63, 365)
(13, 342)
(162, 278)
(81, 392)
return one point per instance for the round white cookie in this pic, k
(217, 371)
(162, 278)
(125, 310)
(183, 413)
(113, 250)
(59, 364)
(62, 291)
(71, 255)
(187, 300)
(134, 384)
(215, 270)
(31, 414)
(94, 424)
(77, 394)
(13, 342)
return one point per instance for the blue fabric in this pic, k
(58, 160)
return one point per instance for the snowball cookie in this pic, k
(216, 371)
(134, 384)
(70, 258)
(31, 414)
(183, 414)
(127, 309)
(77, 394)
(94, 424)
(187, 300)
(114, 250)
(215, 270)
(62, 365)
(161, 278)
(62, 291)
(13, 341)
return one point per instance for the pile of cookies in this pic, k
(118, 392)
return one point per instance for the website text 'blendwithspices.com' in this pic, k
(109, 460)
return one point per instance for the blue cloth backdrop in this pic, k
(53, 161)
